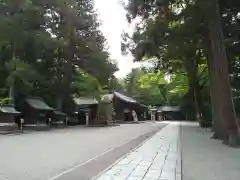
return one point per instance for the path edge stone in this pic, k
(179, 159)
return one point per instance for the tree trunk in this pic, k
(221, 91)
(69, 56)
(194, 88)
(217, 120)
(12, 84)
(11, 94)
(68, 74)
(191, 108)
(199, 102)
(59, 102)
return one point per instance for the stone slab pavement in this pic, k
(159, 158)
(180, 151)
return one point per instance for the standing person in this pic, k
(134, 115)
(152, 116)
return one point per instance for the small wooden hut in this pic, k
(153, 113)
(123, 106)
(142, 112)
(35, 111)
(8, 113)
(83, 111)
(106, 111)
(58, 117)
(170, 113)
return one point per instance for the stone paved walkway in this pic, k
(157, 159)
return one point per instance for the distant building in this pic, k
(7, 113)
(34, 110)
(124, 105)
(78, 109)
(170, 113)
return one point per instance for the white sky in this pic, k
(113, 18)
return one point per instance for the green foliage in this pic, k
(4, 100)
(20, 74)
(105, 112)
(115, 84)
(46, 45)
(86, 85)
(174, 33)
(178, 85)
(156, 88)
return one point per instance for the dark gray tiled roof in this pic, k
(169, 108)
(109, 97)
(38, 103)
(85, 101)
(8, 109)
(59, 113)
(124, 98)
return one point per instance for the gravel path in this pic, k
(204, 158)
(44, 155)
